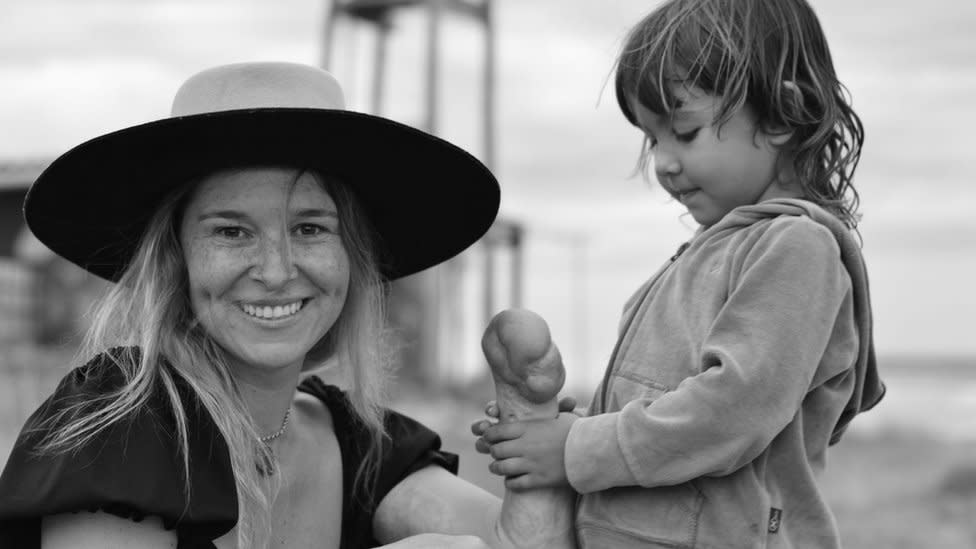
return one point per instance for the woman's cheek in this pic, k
(211, 269)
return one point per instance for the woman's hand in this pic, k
(438, 541)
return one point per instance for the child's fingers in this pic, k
(503, 450)
(509, 467)
(481, 446)
(479, 427)
(521, 482)
(503, 431)
(491, 409)
(567, 404)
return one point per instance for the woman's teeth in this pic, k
(272, 313)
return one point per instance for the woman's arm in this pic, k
(100, 530)
(434, 500)
(438, 541)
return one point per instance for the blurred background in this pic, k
(526, 87)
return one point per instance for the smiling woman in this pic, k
(267, 271)
(250, 238)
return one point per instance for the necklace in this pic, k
(281, 430)
(265, 464)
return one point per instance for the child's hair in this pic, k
(768, 54)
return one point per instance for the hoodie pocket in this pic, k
(633, 516)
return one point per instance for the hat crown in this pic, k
(259, 85)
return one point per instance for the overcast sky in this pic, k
(71, 69)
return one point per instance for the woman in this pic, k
(250, 236)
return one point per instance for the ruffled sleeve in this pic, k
(132, 469)
(409, 447)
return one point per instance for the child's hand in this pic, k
(478, 428)
(529, 454)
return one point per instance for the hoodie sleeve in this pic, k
(759, 360)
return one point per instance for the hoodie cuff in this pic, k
(593, 457)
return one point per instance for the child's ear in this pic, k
(780, 137)
(792, 101)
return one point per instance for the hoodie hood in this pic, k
(868, 388)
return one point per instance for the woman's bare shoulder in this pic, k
(84, 530)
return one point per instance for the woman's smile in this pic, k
(272, 311)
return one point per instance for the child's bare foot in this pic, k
(525, 364)
(529, 373)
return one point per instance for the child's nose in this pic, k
(665, 163)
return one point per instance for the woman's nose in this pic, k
(275, 264)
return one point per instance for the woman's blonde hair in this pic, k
(149, 310)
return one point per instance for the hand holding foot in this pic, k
(528, 373)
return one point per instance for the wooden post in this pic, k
(429, 281)
(379, 66)
(328, 33)
(489, 83)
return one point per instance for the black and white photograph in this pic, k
(468, 274)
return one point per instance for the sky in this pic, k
(72, 69)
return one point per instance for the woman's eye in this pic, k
(230, 232)
(311, 229)
(686, 137)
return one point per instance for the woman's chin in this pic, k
(267, 357)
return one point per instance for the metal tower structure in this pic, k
(433, 341)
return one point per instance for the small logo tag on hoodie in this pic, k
(775, 519)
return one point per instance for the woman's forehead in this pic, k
(261, 187)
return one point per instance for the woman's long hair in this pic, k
(149, 309)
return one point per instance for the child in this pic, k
(748, 353)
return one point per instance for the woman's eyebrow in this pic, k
(222, 214)
(316, 212)
(234, 214)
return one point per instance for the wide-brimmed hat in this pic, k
(427, 199)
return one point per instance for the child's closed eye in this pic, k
(686, 137)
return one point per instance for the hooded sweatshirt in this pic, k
(737, 365)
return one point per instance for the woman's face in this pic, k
(268, 273)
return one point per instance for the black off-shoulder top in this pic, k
(133, 470)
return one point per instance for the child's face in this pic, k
(711, 169)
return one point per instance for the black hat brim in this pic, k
(426, 198)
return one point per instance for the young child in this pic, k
(748, 353)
